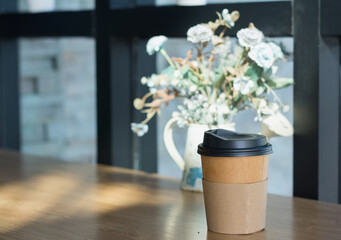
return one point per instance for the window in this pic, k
(57, 98)
(33, 6)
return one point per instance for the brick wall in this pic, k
(57, 79)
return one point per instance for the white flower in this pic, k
(139, 128)
(196, 109)
(151, 82)
(263, 55)
(155, 81)
(194, 63)
(227, 17)
(270, 109)
(199, 33)
(277, 51)
(285, 108)
(262, 109)
(208, 119)
(193, 88)
(222, 96)
(262, 104)
(144, 80)
(183, 92)
(249, 37)
(201, 97)
(274, 107)
(224, 109)
(152, 90)
(174, 81)
(191, 105)
(182, 123)
(212, 109)
(155, 44)
(243, 85)
(163, 82)
(177, 74)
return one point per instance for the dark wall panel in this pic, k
(144, 65)
(306, 98)
(329, 122)
(9, 95)
(121, 104)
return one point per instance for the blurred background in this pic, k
(79, 72)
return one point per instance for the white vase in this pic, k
(191, 2)
(191, 163)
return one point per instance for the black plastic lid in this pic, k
(224, 143)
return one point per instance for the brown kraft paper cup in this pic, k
(234, 181)
(235, 169)
(235, 208)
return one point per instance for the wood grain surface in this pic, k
(42, 198)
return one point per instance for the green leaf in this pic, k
(254, 73)
(219, 77)
(189, 75)
(184, 70)
(231, 61)
(268, 74)
(239, 98)
(169, 71)
(259, 91)
(278, 83)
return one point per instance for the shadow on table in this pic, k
(144, 221)
(23, 168)
(53, 200)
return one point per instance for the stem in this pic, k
(273, 93)
(246, 57)
(199, 55)
(210, 61)
(222, 32)
(155, 109)
(227, 81)
(195, 73)
(164, 53)
(214, 95)
(224, 87)
(146, 96)
(148, 118)
(203, 92)
(239, 101)
(239, 59)
(208, 92)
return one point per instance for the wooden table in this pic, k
(42, 198)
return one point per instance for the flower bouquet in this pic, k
(217, 80)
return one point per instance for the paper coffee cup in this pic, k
(230, 157)
(234, 180)
(235, 169)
